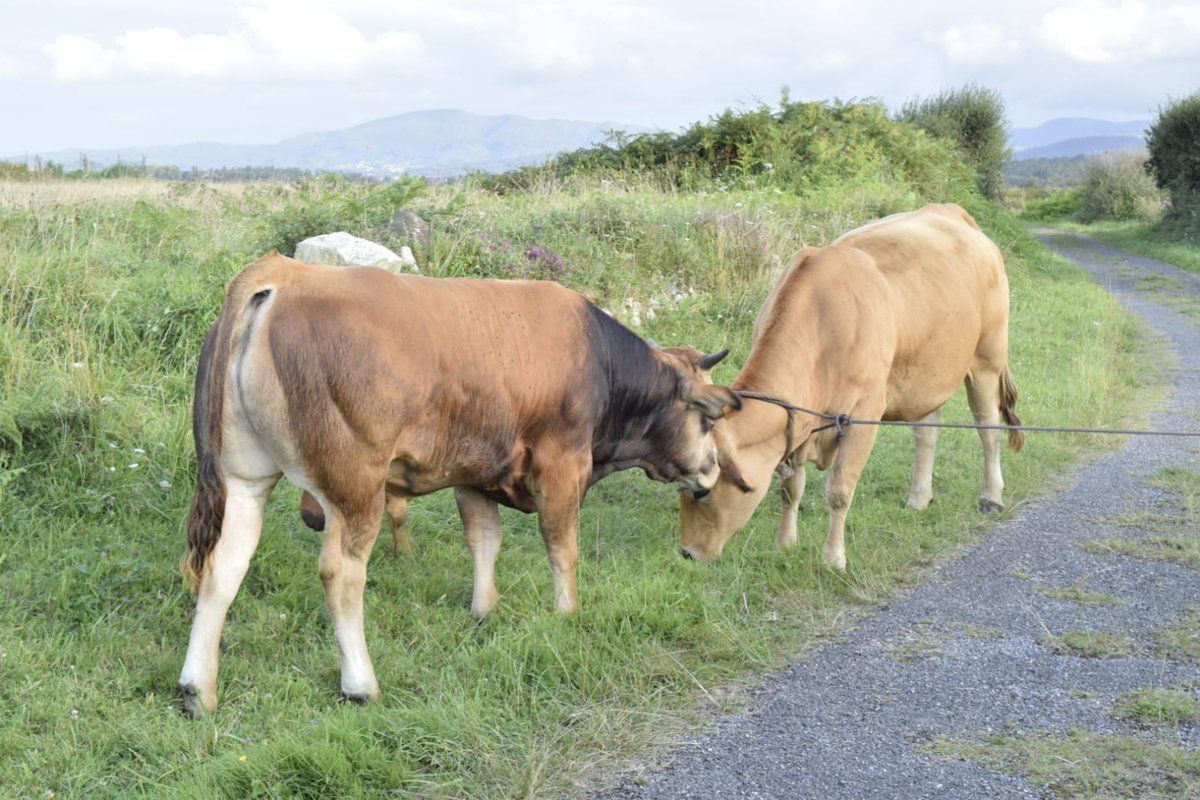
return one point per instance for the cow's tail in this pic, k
(208, 505)
(1008, 402)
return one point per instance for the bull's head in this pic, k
(698, 405)
(708, 519)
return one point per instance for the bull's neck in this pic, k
(761, 424)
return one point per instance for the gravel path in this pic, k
(849, 720)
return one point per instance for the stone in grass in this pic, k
(340, 249)
(407, 225)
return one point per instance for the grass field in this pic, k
(105, 295)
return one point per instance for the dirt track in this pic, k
(961, 654)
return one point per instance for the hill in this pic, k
(1088, 145)
(1060, 130)
(438, 142)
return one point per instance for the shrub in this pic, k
(796, 146)
(1173, 141)
(1118, 187)
(1057, 205)
(973, 118)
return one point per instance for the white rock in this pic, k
(340, 249)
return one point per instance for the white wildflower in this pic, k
(134, 465)
(164, 484)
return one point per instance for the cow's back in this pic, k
(442, 374)
(950, 297)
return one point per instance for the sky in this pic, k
(80, 73)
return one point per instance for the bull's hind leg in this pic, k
(920, 492)
(983, 395)
(224, 569)
(481, 528)
(852, 453)
(791, 493)
(397, 510)
(350, 533)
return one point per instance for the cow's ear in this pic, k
(729, 466)
(715, 402)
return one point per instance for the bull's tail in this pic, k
(1008, 402)
(208, 505)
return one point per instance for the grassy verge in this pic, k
(1144, 239)
(105, 294)
(1087, 766)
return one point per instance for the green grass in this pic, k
(106, 291)
(1183, 523)
(1077, 594)
(1160, 707)
(1087, 766)
(1145, 239)
(1180, 641)
(1090, 644)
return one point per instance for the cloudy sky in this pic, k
(78, 73)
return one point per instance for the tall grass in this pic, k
(105, 294)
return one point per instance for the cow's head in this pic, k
(688, 455)
(708, 519)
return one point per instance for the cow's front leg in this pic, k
(559, 494)
(791, 493)
(223, 572)
(852, 453)
(481, 528)
(349, 536)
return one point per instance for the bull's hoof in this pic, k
(189, 700)
(361, 698)
(834, 561)
(989, 507)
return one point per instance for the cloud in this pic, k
(10, 67)
(973, 44)
(1130, 31)
(280, 41)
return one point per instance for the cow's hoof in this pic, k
(189, 700)
(989, 507)
(361, 698)
(916, 503)
(835, 561)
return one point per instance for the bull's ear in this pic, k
(715, 402)
(729, 466)
(709, 361)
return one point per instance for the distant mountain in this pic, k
(1086, 146)
(1065, 128)
(443, 142)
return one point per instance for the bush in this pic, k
(1173, 141)
(973, 118)
(1119, 187)
(798, 147)
(1057, 205)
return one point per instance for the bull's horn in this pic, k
(653, 344)
(712, 359)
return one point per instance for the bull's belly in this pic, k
(409, 480)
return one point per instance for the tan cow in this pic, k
(883, 324)
(347, 380)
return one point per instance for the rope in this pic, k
(839, 422)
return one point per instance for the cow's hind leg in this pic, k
(397, 510)
(350, 533)
(224, 569)
(852, 453)
(481, 529)
(983, 395)
(791, 493)
(920, 492)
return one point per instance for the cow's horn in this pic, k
(653, 344)
(712, 359)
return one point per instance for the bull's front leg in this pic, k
(852, 453)
(559, 495)
(791, 493)
(481, 528)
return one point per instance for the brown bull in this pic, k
(348, 381)
(883, 324)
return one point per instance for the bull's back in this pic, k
(950, 298)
